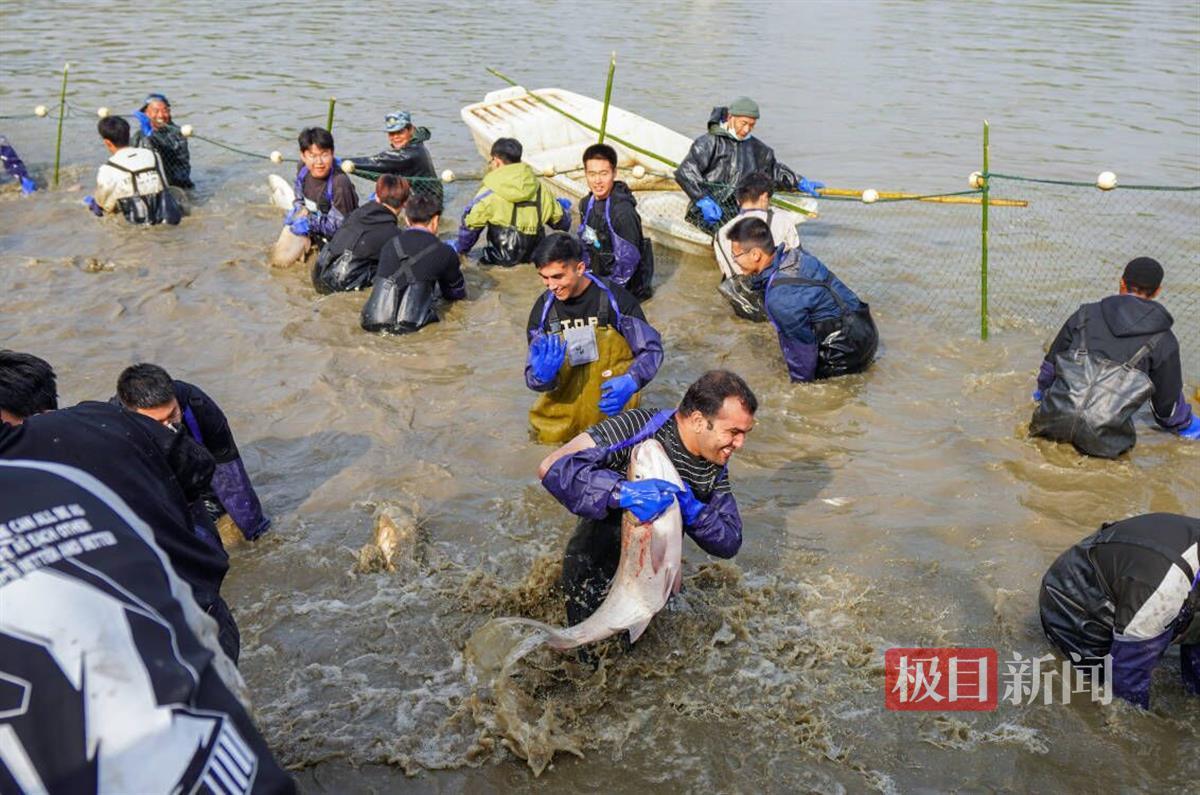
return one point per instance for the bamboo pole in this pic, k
(62, 111)
(857, 194)
(329, 118)
(983, 241)
(612, 67)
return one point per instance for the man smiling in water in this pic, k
(610, 228)
(590, 347)
(156, 130)
(322, 190)
(587, 475)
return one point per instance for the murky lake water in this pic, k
(902, 507)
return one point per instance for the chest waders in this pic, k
(323, 208)
(151, 202)
(1092, 400)
(508, 245)
(1077, 608)
(844, 345)
(622, 257)
(401, 303)
(573, 405)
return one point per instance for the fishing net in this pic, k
(1052, 245)
(1071, 243)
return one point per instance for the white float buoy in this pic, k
(102, 112)
(548, 171)
(1106, 181)
(447, 176)
(639, 171)
(348, 166)
(975, 180)
(277, 156)
(40, 110)
(870, 196)
(186, 131)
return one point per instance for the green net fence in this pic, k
(1052, 246)
(1071, 244)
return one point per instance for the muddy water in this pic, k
(904, 507)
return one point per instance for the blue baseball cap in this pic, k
(397, 121)
(154, 98)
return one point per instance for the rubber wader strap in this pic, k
(407, 263)
(827, 284)
(535, 202)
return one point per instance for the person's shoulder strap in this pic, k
(1144, 351)
(407, 262)
(827, 284)
(547, 306)
(612, 299)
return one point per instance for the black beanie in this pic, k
(1143, 274)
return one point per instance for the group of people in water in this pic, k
(160, 457)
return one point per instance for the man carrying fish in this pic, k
(324, 194)
(720, 158)
(590, 347)
(588, 476)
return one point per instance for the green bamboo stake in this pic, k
(329, 118)
(983, 237)
(776, 201)
(62, 108)
(612, 67)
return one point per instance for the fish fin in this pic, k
(677, 586)
(636, 630)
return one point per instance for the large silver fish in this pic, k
(649, 571)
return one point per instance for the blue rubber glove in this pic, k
(546, 354)
(1037, 396)
(299, 226)
(566, 205)
(144, 121)
(1191, 430)
(28, 186)
(810, 187)
(709, 209)
(689, 506)
(615, 393)
(372, 197)
(646, 499)
(92, 205)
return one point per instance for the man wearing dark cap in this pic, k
(406, 155)
(156, 130)
(1126, 342)
(719, 159)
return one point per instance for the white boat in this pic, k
(554, 147)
